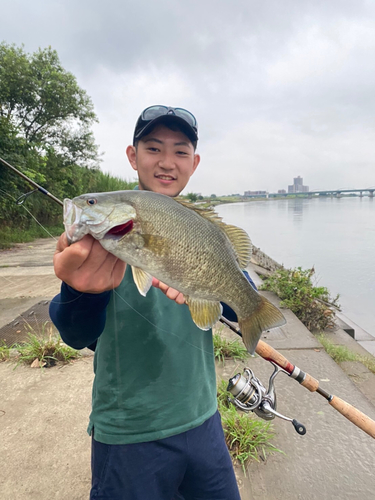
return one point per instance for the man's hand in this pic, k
(171, 293)
(86, 266)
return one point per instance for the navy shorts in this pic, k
(194, 465)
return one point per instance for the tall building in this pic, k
(297, 186)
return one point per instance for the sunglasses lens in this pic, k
(154, 112)
(186, 115)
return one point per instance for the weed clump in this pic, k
(46, 350)
(246, 437)
(313, 305)
(228, 349)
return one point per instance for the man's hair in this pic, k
(175, 127)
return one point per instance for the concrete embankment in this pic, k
(45, 450)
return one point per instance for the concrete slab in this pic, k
(359, 333)
(340, 337)
(361, 376)
(293, 335)
(37, 253)
(45, 450)
(369, 345)
(11, 308)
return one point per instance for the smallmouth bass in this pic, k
(184, 246)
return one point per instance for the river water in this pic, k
(335, 235)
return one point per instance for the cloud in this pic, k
(279, 88)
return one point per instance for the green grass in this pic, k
(48, 349)
(228, 349)
(340, 353)
(11, 235)
(247, 437)
(4, 352)
(43, 344)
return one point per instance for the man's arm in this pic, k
(88, 273)
(79, 317)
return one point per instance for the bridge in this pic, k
(329, 192)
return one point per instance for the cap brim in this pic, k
(183, 125)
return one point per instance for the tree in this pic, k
(45, 105)
(192, 197)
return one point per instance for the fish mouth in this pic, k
(119, 231)
(72, 215)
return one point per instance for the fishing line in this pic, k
(4, 193)
(158, 327)
(117, 350)
(28, 211)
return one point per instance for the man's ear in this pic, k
(197, 159)
(131, 153)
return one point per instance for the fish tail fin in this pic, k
(266, 316)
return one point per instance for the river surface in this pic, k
(335, 235)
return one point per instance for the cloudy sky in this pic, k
(280, 88)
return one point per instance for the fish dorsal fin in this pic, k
(238, 237)
(204, 313)
(142, 279)
(241, 243)
(207, 213)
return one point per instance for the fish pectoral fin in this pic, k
(142, 279)
(265, 317)
(204, 313)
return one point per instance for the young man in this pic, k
(156, 433)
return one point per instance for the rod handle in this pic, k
(270, 354)
(357, 417)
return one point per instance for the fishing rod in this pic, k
(249, 393)
(240, 386)
(23, 197)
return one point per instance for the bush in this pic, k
(312, 305)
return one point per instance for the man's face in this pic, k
(164, 160)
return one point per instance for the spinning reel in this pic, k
(250, 395)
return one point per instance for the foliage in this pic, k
(45, 105)
(340, 353)
(4, 352)
(246, 436)
(11, 235)
(225, 349)
(312, 305)
(192, 197)
(48, 349)
(45, 120)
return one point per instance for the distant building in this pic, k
(297, 186)
(281, 191)
(255, 193)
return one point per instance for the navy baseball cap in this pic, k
(161, 114)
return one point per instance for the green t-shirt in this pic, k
(154, 369)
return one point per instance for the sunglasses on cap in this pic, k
(155, 113)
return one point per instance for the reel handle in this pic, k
(300, 428)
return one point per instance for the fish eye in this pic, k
(91, 201)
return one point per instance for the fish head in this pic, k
(103, 215)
